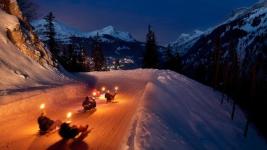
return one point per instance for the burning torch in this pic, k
(42, 107)
(68, 116)
(103, 89)
(116, 88)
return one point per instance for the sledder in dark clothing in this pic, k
(46, 124)
(89, 103)
(110, 97)
(67, 131)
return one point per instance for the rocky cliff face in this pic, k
(24, 37)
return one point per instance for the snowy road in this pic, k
(110, 122)
(155, 109)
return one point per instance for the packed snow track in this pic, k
(153, 110)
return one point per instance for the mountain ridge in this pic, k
(64, 31)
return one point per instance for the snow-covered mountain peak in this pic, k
(64, 31)
(185, 37)
(109, 30)
(184, 41)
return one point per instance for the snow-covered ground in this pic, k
(155, 109)
(179, 113)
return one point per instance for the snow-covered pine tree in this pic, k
(151, 59)
(97, 55)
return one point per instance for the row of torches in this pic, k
(94, 94)
(68, 115)
(104, 90)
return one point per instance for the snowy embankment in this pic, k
(179, 113)
(18, 71)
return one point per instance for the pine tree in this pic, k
(50, 33)
(71, 61)
(234, 69)
(97, 55)
(172, 61)
(178, 63)
(216, 61)
(151, 53)
(168, 58)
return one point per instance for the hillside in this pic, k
(245, 30)
(24, 62)
(234, 54)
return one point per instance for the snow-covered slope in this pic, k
(178, 113)
(18, 70)
(245, 26)
(245, 31)
(64, 32)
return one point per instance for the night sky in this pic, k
(169, 18)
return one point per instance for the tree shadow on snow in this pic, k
(69, 145)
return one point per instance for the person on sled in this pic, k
(89, 103)
(46, 124)
(68, 131)
(110, 97)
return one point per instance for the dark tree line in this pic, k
(172, 60)
(97, 55)
(153, 60)
(245, 83)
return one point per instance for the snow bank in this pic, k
(179, 113)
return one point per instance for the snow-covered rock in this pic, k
(19, 67)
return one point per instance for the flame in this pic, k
(42, 106)
(103, 89)
(116, 88)
(69, 114)
(94, 93)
